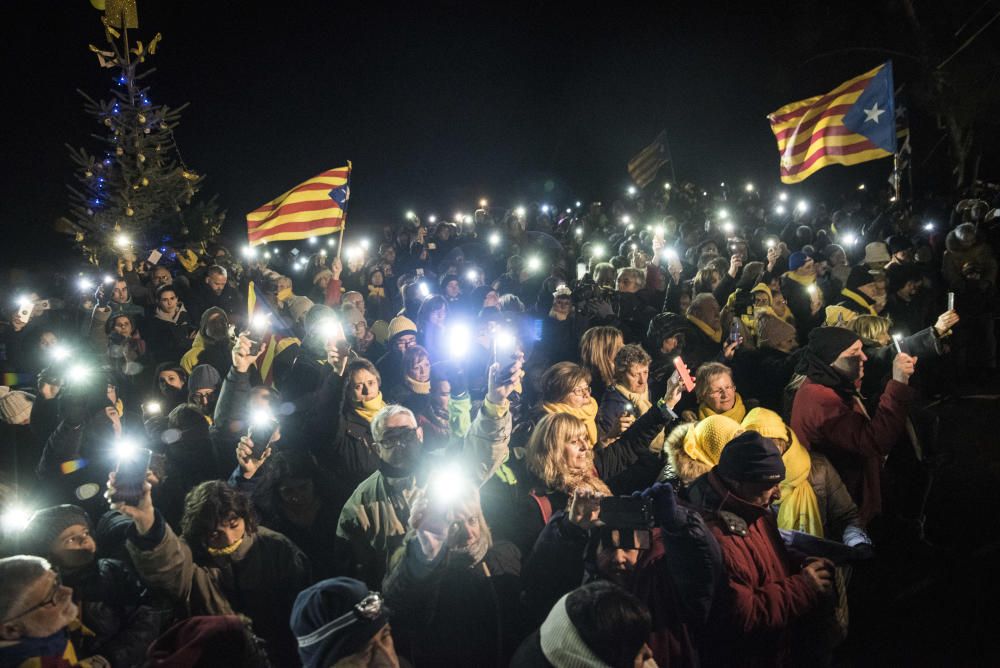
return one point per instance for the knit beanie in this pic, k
(751, 458)
(796, 260)
(707, 439)
(401, 325)
(828, 342)
(771, 330)
(15, 406)
(561, 642)
(206, 642)
(327, 625)
(203, 377)
(46, 524)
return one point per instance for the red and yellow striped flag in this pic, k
(309, 209)
(812, 133)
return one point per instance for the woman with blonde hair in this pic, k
(598, 348)
(559, 457)
(716, 392)
(813, 497)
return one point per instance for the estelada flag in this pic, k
(644, 164)
(853, 123)
(310, 209)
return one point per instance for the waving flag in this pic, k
(310, 209)
(854, 123)
(644, 164)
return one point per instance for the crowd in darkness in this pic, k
(673, 430)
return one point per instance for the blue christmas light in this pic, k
(115, 108)
(145, 101)
(122, 79)
(97, 202)
(107, 161)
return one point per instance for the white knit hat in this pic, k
(562, 644)
(15, 406)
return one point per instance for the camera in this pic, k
(261, 431)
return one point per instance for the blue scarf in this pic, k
(27, 648)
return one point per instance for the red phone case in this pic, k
(684, 373)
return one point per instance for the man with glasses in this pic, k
(38, 619)
(374, 520)
(113, 603)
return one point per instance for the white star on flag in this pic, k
(873, 113)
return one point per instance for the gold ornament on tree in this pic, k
(141, 157)
(121, 13)
(141, 118)
(129, 211)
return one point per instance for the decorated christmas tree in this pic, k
(137, 190)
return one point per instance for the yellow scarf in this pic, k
(368, 409)
(225, 551)
(859, 300)
(416, 386)
(799, 508)
(376, 291)
(705, 441)
(642, 404)
(120, 407)
(587, 413)
(737, 412)
(714, 334)
(807, 280)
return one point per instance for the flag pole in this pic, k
(670, 154)
(343, 221)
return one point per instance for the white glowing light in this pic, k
(59, 353)
(850, 239)
(861, 186)
(495, 239)
(459, 337)
(632, 190)
(597, 251)
(483, 203)
(520, 212)
(783, 196)
(152, 407)
(578, 231)
(85, 284)
(424, 290)
(545, 208)
(749, 187)
(780, 209)
(666, 186)
(929, 227)
(728, 228)
(122, 240)
(723, 213)
(78, 372)
(126, 448)
(411, 215)
(626, 219)
(15, 518)
(312, 241)
(802, 206)
(579, 204)
(446, 485)
(472, 275)
(365, 244)
(534, 263)
(432, 218)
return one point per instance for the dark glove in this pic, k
(663, 500)
(864, 551)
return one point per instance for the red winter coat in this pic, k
(855, 443)
(765, 593)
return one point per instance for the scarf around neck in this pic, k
(160, 315)
(737, 412)
(416, 386)
(806, 280)
(642, 404)
(367, 409)
(586, 413)
(714, 334)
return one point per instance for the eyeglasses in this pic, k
(49, 601)
(723, 391)
(581, 391)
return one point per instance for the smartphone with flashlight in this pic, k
(260, 433)
(130, 474)
(626, 512)
(24, 311)
(951, 301)
(420, 272)
(629, 409)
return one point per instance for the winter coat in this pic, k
(98, 333)
(118, 608)
(374, 520)
(678, 589)
(763, 373)
(167, 340)
(957, 256)
(764, 593)
(260, 580)
(445, 614)
(838, 426)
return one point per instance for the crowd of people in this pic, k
(664, 432)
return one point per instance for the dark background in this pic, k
(441, 104)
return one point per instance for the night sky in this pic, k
(437, 105)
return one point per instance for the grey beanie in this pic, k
(203, 377)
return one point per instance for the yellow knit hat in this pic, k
(766, 423)
(706, 441)
(401, 325)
